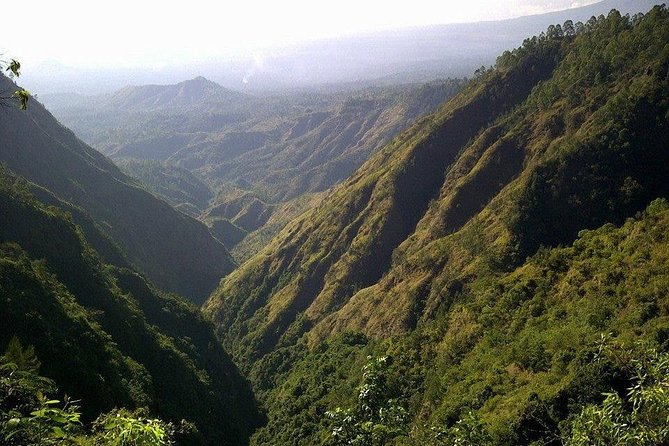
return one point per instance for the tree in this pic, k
(24, 358)
(638, 418)
(13, 67)
(126, 428)
(554, 32)
(377, 418)
(468, 431)
(568, 28)
(29, 415)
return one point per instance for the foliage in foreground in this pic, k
(635, 416)
(518, 353)
(640, 416)
(30, 416)
(377, 418)
(13, 68)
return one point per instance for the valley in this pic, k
(427, 254)
(248, 158)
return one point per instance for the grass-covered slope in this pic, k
(566, 133)
(175, 251)
(517, 349)
(426, 243)
(104, 334)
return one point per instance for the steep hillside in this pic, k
(281, 215)
(104, 334)
(346, 244)
(175, 251)
(521, 351)
(179, 187)
(568, 132)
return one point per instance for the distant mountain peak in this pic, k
(202, 81)
(182, 94)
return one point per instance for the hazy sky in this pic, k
(89, 33)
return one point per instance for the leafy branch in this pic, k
(13, 68)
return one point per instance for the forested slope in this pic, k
(568, 132)
(106, 336)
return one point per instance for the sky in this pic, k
(149, 33)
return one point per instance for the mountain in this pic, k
(286, 144)
(412, 54)
(461, 248)
(255, 154)
(107, 336)
(184, 94)
(175, 251)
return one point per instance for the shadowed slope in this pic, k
(175, 251)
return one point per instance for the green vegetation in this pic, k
(469, 268)
(28, 416)
(485, 249)
(281, 215)
(179, 187)
(105, 335)
(121, 427)
(641, 416)
(38, 148)
(21, 95)
(468, 430)
(376, 419)
(514, 358)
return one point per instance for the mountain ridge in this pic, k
(432, 53)
(183, 94)
(416, 255)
